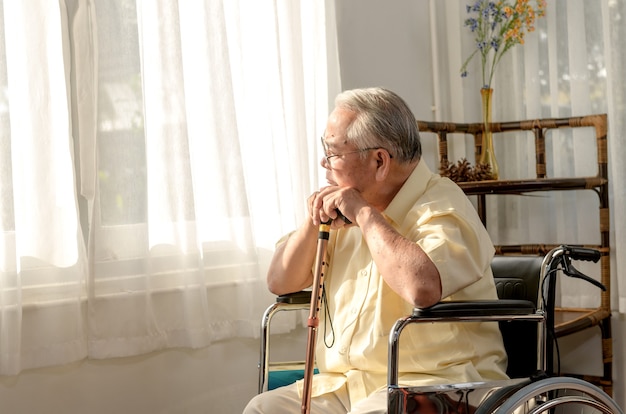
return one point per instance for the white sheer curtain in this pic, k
(173, 139)
(42, 257)
(572, 65)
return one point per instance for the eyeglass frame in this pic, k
(328, 157)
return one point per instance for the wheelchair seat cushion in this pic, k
(280, 378)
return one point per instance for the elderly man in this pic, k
(414, 240)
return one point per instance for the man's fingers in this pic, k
(323, 207)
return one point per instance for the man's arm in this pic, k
(290, 268)
(402, 263)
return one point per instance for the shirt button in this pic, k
(342, 350)
(363, 273)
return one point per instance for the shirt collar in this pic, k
(411, 190)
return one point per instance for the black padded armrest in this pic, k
(476, 308)
(298, 298)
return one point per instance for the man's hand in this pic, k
(339, 204)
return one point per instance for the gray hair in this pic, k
(383, 119)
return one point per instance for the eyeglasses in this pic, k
(329, 158)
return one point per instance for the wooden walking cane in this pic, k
(316, 303)
(313, 322)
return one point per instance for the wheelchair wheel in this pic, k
(559, 395)
(499, 397)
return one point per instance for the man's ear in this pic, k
(383, 164)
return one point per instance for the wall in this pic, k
(388, 46)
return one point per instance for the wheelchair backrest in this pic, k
(518, 277)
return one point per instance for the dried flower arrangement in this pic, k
(498, 26)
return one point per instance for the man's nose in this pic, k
(324, 163)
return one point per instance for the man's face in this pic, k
(343, 161)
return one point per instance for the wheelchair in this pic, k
(526, 288)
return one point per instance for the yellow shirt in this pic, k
(435, 213)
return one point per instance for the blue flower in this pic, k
(495, 43)
(472, 23)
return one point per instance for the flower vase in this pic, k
(487, 154)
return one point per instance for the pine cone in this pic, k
(482, 172)
(463, 171)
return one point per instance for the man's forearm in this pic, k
(402, 263)
(290, 268)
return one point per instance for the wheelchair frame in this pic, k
(532, 394)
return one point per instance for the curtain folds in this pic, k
(43, 260)
(152, 153)
(612, 11)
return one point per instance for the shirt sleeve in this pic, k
(452, 235)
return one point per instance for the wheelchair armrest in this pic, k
(479, 308)
(298, 298)
(498, 310)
